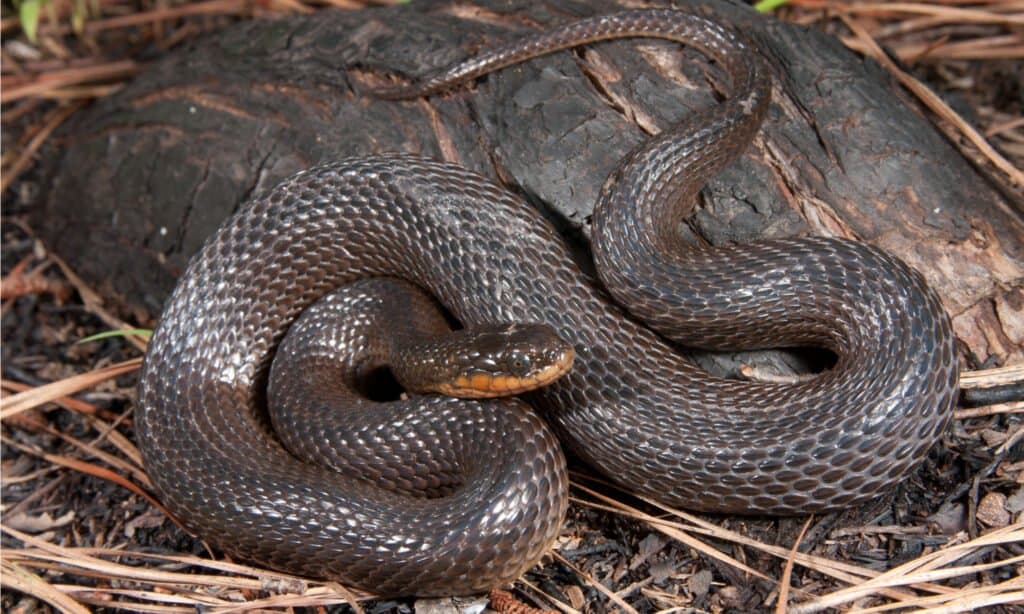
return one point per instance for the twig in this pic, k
(19, 579)
(675, 531)
(950, 13)
(68, 403)
(175, 588)
(55, 118)
(593, 582)
(561, 605)
(984, 378)
(923, 569)
(96, 471)
(841, 571)
(46, 82)
(990, 410)
(23, 401)
(787, 571)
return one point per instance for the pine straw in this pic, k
(52, 81)
(902, 586)
(154, 588)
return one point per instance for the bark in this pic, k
(143, 177)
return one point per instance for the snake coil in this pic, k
(631, 406)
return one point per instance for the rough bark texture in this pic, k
(143, 177)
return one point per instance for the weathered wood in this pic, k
(143, 177)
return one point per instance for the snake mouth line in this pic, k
(483, 385)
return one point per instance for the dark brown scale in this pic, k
(631, 406)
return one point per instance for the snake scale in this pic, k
(631, 406)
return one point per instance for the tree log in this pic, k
(139, 180)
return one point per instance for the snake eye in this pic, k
(519, 363)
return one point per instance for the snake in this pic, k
(633, 405)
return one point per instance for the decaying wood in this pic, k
(140, 180)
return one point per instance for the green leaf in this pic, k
(125, 332)
(765, 6)
(28, 14)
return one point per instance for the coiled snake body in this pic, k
(631, 406)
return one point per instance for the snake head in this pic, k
(496, 361)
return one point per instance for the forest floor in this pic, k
(82, 530)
